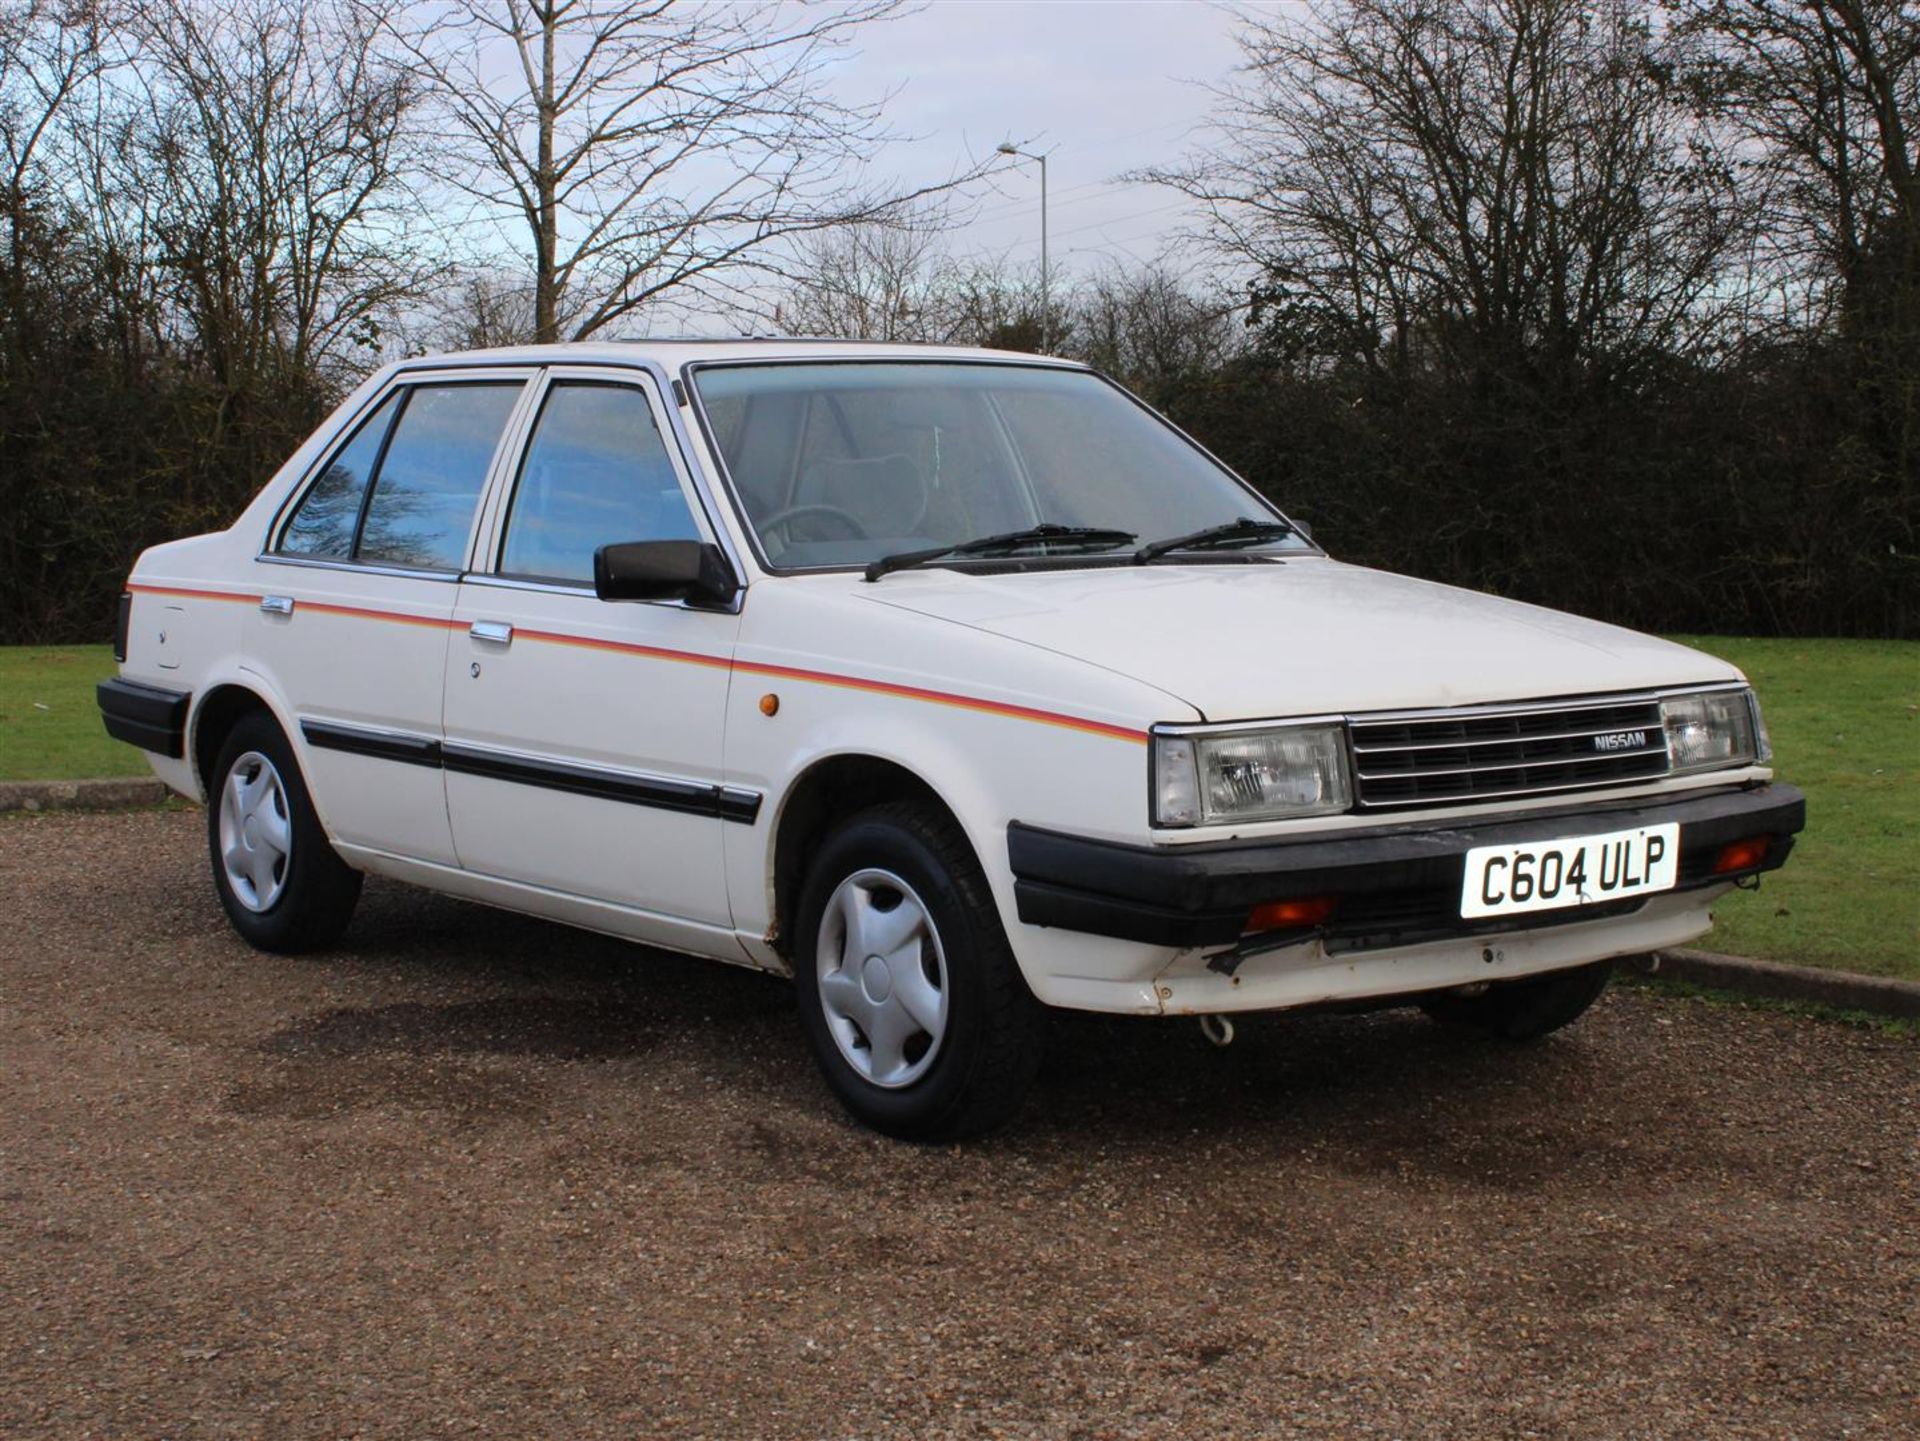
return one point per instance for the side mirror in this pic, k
(1305, 530)
(688, 570)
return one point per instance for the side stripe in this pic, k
(686, 657)
(940, 697)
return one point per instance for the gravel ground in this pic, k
(473, 1174)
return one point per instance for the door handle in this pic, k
(494, 632)
(277, 604)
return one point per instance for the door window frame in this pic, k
(507, 445)
(489, 549)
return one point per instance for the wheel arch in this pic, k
(230, 694)
(214, 719)
(827, 792)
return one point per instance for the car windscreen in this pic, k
(842, 463)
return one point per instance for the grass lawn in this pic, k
(1844, 714)
(49, 725)
(1845, 720)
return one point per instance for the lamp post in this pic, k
(1007, 147)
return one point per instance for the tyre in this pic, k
(912, 1001)
(281, 883)
(1524, 1010)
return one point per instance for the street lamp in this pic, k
(1007, 147)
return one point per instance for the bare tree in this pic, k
(1440, 179)
(47, 52)
(870, 282)
(479, 308)
(1826, 95)
(261, 153)
(638, 149)
(1151, 329)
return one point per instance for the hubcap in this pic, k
(256, 835)
(883, 978)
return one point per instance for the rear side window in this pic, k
(596, 473)
(329, 513)
(421, 507)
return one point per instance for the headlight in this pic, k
(1261, 775)
(1712, 730)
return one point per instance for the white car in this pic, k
(956, 684)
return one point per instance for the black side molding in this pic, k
(412, 750)
(728, 803)
(690, 797)
(145, 715)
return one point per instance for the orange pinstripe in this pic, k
(684, 657)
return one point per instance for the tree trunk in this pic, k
(546, 282)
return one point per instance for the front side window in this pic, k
(839, 464)
(596, 473)
(423, 500)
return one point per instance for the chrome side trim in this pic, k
(356, 567)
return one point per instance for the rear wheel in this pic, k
(1524, 1010)
(912, 1001)
(282, 885)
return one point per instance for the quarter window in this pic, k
(329, 513)
(421, 508)
(596, 473)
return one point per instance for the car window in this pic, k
(841, 463)
(323, 524)
(423, 500)
(596, 473)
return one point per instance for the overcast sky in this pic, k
(1102, 86)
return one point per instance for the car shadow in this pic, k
(509, 986)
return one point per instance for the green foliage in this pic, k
(113, 436)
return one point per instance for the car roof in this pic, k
(678, 351)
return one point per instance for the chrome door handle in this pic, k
(277, 604)
(495, 632)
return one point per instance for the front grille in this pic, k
(1491, 752)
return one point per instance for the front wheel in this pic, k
(1524, 1010)
(912, 1001)
(280, 882)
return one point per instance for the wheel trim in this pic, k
(256, 832)
(883, 978)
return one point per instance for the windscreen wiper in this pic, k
(1244, 531)
(1090, 537)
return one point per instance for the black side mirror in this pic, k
(1302, 529)
(688, 570)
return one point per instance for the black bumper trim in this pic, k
(1391, 879)
(148, 716)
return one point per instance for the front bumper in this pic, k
(1396, 885)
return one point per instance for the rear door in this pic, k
(583, 737)
(359, 581)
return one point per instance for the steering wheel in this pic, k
(784, 518)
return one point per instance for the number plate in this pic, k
(1578, 871)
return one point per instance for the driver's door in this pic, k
(583, 736)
